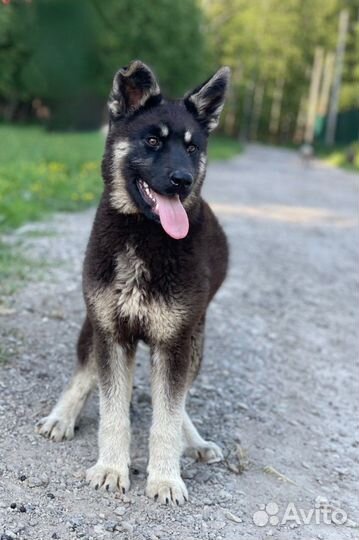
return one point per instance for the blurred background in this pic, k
(295, 66)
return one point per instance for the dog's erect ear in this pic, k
(132, 87)
(207, 100)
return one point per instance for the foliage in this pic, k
(350, 89)
(346, 157)
(58, 57)
(65, 53)
(165, 34)
(271, 44)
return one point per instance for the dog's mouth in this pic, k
(173, 216)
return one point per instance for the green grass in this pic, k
(221, 147)
(339, 156)
(43, 172)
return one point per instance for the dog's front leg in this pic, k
(169, 378)
(111, 471)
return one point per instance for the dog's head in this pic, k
(155, 158)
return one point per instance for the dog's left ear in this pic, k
(207, 100)
(133, 86)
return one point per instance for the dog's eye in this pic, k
(191, 148)
(152, 141)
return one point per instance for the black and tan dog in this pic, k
(155, 259)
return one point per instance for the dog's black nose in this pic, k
(181, 178)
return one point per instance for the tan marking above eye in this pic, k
(164, 130)
(187, 136)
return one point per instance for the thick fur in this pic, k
(141, 284)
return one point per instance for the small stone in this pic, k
(120, 511)
(110, 526)
(206, 513)
(225, 494)
(13, 505)
(55, 536)
(44, 479)
(22, 508)
(124, 498)
(232, 517)
(126, 526)
(50, 495)
(22, 478)
(8, 535)
(242, 406)
(35, 482)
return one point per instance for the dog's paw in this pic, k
(167, 491)
(108, 478)
(56, 428)
(209, 452)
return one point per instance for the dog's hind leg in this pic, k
(195, 445)
(60, 424)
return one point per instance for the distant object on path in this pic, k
(306, 153)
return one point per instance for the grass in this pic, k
(221, 147)
(43, 172)
(339, 156)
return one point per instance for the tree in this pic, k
(65, 53)
(273, 44)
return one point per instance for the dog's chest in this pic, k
(132, 287)
(137, 303)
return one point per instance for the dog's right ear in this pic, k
(133, 86)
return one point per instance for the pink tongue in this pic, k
(173, 216)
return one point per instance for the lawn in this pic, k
(42, 172)
(345, 157)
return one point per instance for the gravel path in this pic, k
(276, 390)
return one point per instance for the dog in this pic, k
(155, 258)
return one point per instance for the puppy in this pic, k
(155, 259)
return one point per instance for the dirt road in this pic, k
(277, 388)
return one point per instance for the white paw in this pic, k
(209, 452)
(56, 428)
(109, 478)
(167, 491)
